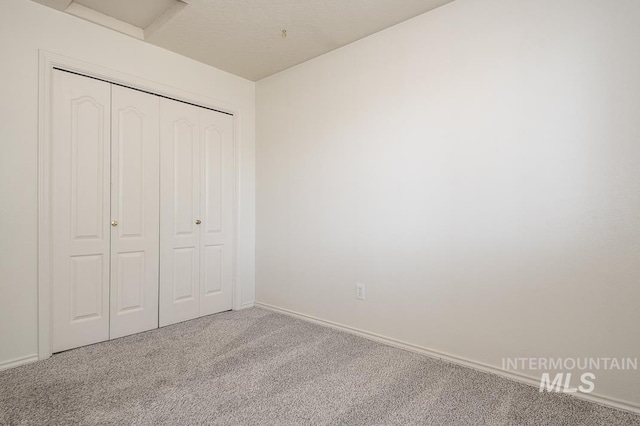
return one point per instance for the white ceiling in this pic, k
(244, 37)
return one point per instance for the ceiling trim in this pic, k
(104, 20)
(165, 17)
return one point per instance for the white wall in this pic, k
(25, 27)
(478, 168)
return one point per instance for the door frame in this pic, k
(47, 62)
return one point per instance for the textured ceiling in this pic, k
(244, 37)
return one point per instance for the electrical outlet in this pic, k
(360, 291)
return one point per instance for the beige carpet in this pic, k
(255, 367)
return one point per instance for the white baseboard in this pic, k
(5, 365)
(511, 375)
(247, 305)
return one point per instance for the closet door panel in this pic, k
(80, 210)
(217, 210)
(135, 215)
(180, 209)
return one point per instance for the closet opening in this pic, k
(157, 140)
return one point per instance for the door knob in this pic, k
(198, 222)
(114, 223)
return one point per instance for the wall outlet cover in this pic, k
(360, 291)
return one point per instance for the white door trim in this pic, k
(47, 62)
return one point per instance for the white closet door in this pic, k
(216, 247)
(135, 157)
(179, 212)
(80, 210)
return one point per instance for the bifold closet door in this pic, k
(135, 233)
(105, 211)
(196, 198)
(80, 151)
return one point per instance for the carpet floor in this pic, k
(256, 367)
